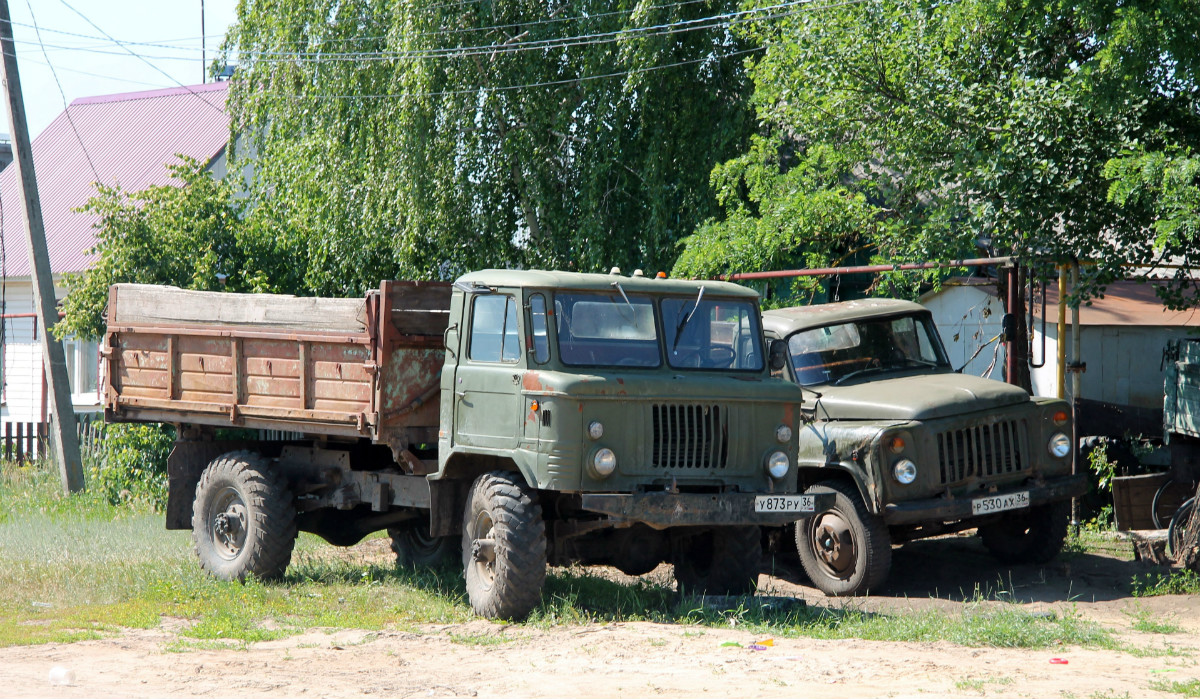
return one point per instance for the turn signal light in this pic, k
(1060, 417)
(896, 444)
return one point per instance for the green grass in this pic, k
(1142, 620)
(75, 568)
(1183, 582)
(1191, 688)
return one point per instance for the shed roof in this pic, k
(1127, 303)
(125, 139)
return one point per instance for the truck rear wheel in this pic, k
(243, 518)
(1035, 535)
(845, 550)
(503, 547)
(718, 561)
(415, 547)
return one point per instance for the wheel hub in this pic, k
(483, 548)
(228, 524)
(833, 542)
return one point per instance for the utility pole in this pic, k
(203, 50)
(62, 432)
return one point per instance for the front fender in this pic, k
(843, 449)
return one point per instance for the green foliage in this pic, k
(423, 139)
(186, 234)
(980, 120)
(1183, 582)
(1101, 467)
(132, 465)
(1188, 688)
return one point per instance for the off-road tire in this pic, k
(845, 550)
(1034, 536)
(718, 561)
(503, 546)
(416, 548)
(243, 518)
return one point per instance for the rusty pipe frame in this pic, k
(864, 269)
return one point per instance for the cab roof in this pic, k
(546, 279)
(785, 321)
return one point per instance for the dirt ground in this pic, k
(643, 659)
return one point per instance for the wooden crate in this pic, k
(1133, 497)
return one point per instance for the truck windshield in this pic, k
(708, 333)
(606, 330)
(839, 353)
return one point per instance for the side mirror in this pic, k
(777, 358)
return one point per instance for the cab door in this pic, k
(487, 381)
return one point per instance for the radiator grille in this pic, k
(690, 436)
(982, 451)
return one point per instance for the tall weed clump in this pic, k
(131, 464)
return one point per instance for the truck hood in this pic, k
(664, 386)
(922, 397)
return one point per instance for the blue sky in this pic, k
(164, 33)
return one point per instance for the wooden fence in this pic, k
(27, 440)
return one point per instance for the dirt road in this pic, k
(486, 659)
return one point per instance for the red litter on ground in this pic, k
(1058, 661)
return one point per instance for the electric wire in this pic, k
(66, 110)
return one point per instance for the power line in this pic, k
(70, 119)
(134, 53)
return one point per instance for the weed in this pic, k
(1190, 688)
(1183, 582)
(1142, 620)
(480, 639)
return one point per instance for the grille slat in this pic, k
(981, 451)
(689, 437)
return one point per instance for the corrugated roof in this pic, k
(1124, 303)
(129, 138)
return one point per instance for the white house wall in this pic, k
(23, 360)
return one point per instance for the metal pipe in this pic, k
(1061, 373)
(1075, 381)
(863, 269)
(1010, 311)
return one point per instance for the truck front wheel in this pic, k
(243, 518)
(845, 550)
(718, 561)
(1035, 535)
(503, 546)
(415, 547)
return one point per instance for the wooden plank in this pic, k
(149, 378)
(215, 383)
(220, 399)
(151, 304)
(338, 352)
(426, 296)
(142, 342)
(143, 359)
(206, 364)
(340, 371)
(421, 322)
(342, 390)
(273, 386)
(274, 367)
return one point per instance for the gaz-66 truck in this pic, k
(911, 449)
(513, 418)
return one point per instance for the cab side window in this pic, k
(494, 336)
(541, 335)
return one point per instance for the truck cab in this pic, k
(910, 448)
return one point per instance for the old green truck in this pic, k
(911, 449)
(511, 419)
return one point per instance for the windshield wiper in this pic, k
(632, 310)
(687, 319)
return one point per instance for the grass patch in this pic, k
(480, 639)
(1183, 582)
(77, 567)
(969, 684)
(1142, 620)
(1191, 688)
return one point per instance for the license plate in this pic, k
(785, 503)
(1000, 503)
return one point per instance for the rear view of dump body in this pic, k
(511, 419)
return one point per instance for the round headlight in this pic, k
(783, 434)
(777, 464)
(595, 429)
(605, 462)
(1059, 445)
(905, 471)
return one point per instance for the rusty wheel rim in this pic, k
(227, 523)
(832, 540)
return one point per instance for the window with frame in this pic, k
(494, 334)
(82, 366)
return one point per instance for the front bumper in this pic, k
(953, 509)
(662, 510)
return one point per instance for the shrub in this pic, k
(132, 464)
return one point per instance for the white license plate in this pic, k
(785, 503)
(1000, 503)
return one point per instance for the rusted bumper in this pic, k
(662, 510)
(948, 510)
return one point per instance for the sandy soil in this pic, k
(641, 659)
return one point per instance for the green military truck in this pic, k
(510, 419)
(911, 449)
